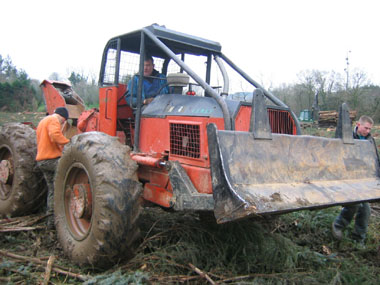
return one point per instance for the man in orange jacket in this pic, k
(50, 143)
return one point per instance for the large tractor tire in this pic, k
(22, 187)
(97, 200)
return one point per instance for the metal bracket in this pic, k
(259, 124)
(186, 197)
(344, 129)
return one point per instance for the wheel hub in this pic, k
(5, 170)
(81, 202)
(6, 174)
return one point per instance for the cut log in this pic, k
(330, 118)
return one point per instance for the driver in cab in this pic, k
(154, 83)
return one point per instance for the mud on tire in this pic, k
(25, 189)
(96, 200)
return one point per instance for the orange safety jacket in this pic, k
(50, 140)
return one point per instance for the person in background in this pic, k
(50, 143)
(154, 83)
(362, 131)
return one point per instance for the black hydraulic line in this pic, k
(183, 59)
(117, 71)
(208, 69)
(200, 81)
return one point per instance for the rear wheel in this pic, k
(96, 200)
(22, 188)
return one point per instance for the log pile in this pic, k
(330, 118)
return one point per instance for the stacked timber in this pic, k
(330, 118)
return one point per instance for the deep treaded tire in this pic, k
(96, 200)
(25, 190)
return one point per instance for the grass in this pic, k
(31, 117)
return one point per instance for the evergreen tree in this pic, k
(16, 91)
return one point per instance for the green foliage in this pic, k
(85, 88)
(16, 90)
(17, 96)
(76, 78)
(89, 92)
(41, 108)
(7, 70)
(19, 93)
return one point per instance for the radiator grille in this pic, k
(185, 140)
(281, 122)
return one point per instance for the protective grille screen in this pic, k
(185, 140)
(281, 122)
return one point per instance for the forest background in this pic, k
(19, 93)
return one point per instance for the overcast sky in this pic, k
(271, 40)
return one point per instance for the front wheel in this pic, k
(96, 200)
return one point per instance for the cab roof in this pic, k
(177, 42)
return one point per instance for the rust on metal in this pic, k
(6, 177)
(81, 201)
(147, 160)
(158, 195)
(5, 167)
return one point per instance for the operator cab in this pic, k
(192, 66)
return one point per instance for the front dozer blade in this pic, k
(257, 173)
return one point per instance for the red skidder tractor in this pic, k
(193, 149)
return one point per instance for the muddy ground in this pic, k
(184, 248)
(176, 248)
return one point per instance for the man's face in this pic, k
(148, 67)
(364, 129)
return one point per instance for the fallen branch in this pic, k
(237, 278)
(11, 279)
(33, 220)
(202, 274)
(57, 269)
(9, 220)
(131, 265)
(173, 279)
(21, 223)
(71, 274)
(24, 219)
(19, 229)
(48, 269)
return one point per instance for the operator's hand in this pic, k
(147, 101)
